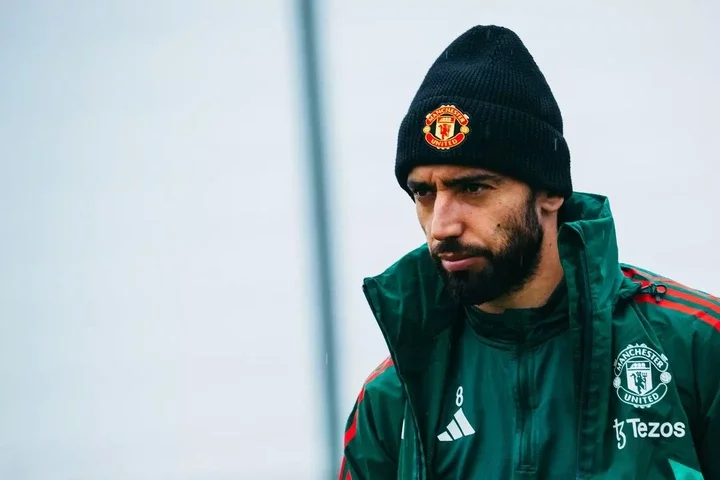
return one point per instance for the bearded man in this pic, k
(520, 348)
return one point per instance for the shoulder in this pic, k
(686, 322)
(383, 383)
(376, 418)
(676, 308)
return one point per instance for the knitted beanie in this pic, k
(484, 103)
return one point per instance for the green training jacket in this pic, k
(622, 319)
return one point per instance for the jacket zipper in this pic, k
(419, 448)
(586, 356)
(524, 409)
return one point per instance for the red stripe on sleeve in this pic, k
(679, 307)
(352, 429)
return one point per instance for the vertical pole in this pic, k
(322, 246)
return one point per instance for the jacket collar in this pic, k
(413, 308)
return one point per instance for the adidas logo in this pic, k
(457, 428)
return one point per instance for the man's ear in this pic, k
(549, 203)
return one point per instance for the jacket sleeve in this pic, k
(373, 429)
(707, 354)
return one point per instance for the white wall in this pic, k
(156, 317)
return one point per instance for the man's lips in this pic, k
(457, 263)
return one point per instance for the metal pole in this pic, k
(322, 247)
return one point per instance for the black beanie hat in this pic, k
(485, 103)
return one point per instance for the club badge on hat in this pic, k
(446, 127)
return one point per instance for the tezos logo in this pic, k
(647, 429)
(641, 376)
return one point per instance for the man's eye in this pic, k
(421, 192)
(474, 187)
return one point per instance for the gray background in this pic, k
(156, 302)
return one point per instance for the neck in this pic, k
(536, 291)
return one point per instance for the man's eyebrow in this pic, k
(458, 181)
(417, 185)
(476, 178)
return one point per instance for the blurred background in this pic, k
(158, 295)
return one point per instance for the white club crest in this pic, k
(641, 376)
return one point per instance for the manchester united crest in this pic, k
(641, 376)
(446, 127)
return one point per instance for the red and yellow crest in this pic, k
(446, 127)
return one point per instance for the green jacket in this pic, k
(619, 316)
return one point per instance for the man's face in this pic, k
(483, 229)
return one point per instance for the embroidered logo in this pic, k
(641, 376)
(446, 127)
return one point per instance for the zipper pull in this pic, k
(656, 290)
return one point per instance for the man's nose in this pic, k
(446, 221)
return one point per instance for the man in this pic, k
(520, 347)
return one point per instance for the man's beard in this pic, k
(506, 271)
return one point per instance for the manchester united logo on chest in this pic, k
(641, 376)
